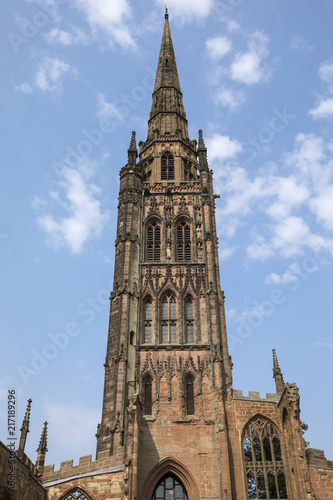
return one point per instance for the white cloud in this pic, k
(187, 10)
(108, 17)
(49, 75)
(26, 88)
(84, 218)
(293, 273)
(326, 73)
(221, 147)
(299, 44)
(108, 110)
(230, 98)
(259, 249)
(61, 37)
(290, 235)
(217, 47)
(247, 66)
(324, 108)
(322, 206)
(294, 209)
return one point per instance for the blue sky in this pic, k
(257, 77)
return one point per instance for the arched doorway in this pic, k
(170, 488)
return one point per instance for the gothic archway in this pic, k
(170, 467)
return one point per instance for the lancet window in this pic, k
(189, 320)
(170, 488)
(169, 319)
(264, 466)
(189, 396)
(153, 242)
(183, 242)
(167, 167)
(148, 397)
(148, 316)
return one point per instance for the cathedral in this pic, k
(172, 426)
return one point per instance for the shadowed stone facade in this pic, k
(172, 425)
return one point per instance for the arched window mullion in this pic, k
(169, 319)
(265, 472)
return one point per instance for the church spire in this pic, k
(167, 74)
(167, 116)
(277, 374)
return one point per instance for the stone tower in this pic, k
(167, 337)
(172, 426)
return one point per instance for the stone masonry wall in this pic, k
(22, 485)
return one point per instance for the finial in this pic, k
(201, 144)
(277, 374)
(132, 146)
(26, 420)
(166, 13)
(42, 448)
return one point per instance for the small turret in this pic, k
(24, 429)
(277, 374)
(132, 151)
(42, 448)
(202, 153)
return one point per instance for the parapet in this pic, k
(86, 466)
(255, 396)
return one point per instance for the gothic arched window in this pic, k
(263, 460)
(183, 242)
(76, 494)
(189, 320)
(189, 396)
(148, 397)
(170, 488)
(168, 319)
(167, 167)
(153, 242)
(147, 310)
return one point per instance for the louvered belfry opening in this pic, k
(183, 242)
(167, 167)
(153, 242)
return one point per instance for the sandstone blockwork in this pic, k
(172, 426)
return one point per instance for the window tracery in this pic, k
(148, 316)
(189, 321)
(264, 466)
(170, 488)
(183, 242)
(76, 494)
(169, 319)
